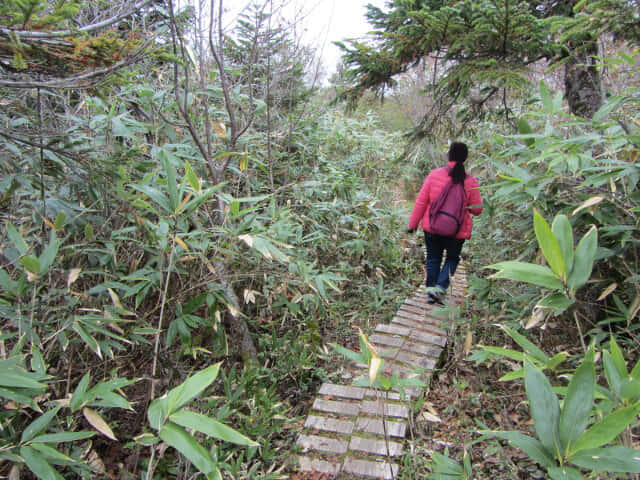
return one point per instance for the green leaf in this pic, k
(526, 345)
(614, 379)
(89, 340)
(62, 437)
(38, 465)
(610, 459)
(162, 408)
(528, 273)
(156, 195)
(178, 438)
(30, 263)
(60, 220)
(172, 184)
(357, 357)
(525, 129)
(635, 373)
(564, 473)
(549, 245)
(528, 445)
(606, 429)
(48, 256)
(192, 178)
(17, 239)
(19, 378)
(78, 399)
(39, 425)
(618, 357)
(561, 228)
(545, 96)
(583, 260)
(211, 427)
(577, 404)
(544, 406)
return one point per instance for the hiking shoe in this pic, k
(437, 296)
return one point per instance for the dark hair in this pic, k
(458, 153)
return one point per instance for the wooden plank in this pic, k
(386, 340)
(323, 444)
(366, 468)
(429, 351)
(427, 338)
(343, 391)
(392, 329)
(330, 424)
(310, 464)
(417, 360)
(341, 408)
(375, 447)
(417, 326)
(374, 425)
(371, 393)
(391, 409)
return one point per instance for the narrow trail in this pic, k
(344, 435)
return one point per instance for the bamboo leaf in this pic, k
(211, 427)
(38, 465)
(611, 459)
(178, 438)
(584, 257)
(97, 422)
(528, 273)
(544, 406)
(561, 228)
(606, 429)
(549, 245)
(577, 404)
(531, 446)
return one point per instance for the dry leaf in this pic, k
(592, 202)
(180, 242)
(429, 417)
(248, 239)
(98, 423)
(250, 296)
(607, 291)
(536, 318)
(468, 343)
(220, 129)
(74, 274)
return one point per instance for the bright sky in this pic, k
(327, 21)
(320, 22)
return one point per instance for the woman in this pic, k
(438, 278)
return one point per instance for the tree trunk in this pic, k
(583, 87)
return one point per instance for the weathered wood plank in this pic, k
(378, 470)
(405, 322)
(330, 424)
(427, 338)
(323, 444)
(376, 447)
(386, 340)
(430, 351)
(415, 359)
(343, 391)
(390, 409)
(392, 329)
(341, 408)
(374, 425)
(310, 464)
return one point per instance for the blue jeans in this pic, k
(436, 245)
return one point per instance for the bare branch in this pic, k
(34, 35)
(84, 80)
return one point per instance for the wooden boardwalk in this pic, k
(344, 435)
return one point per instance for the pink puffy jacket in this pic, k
(435, 182)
